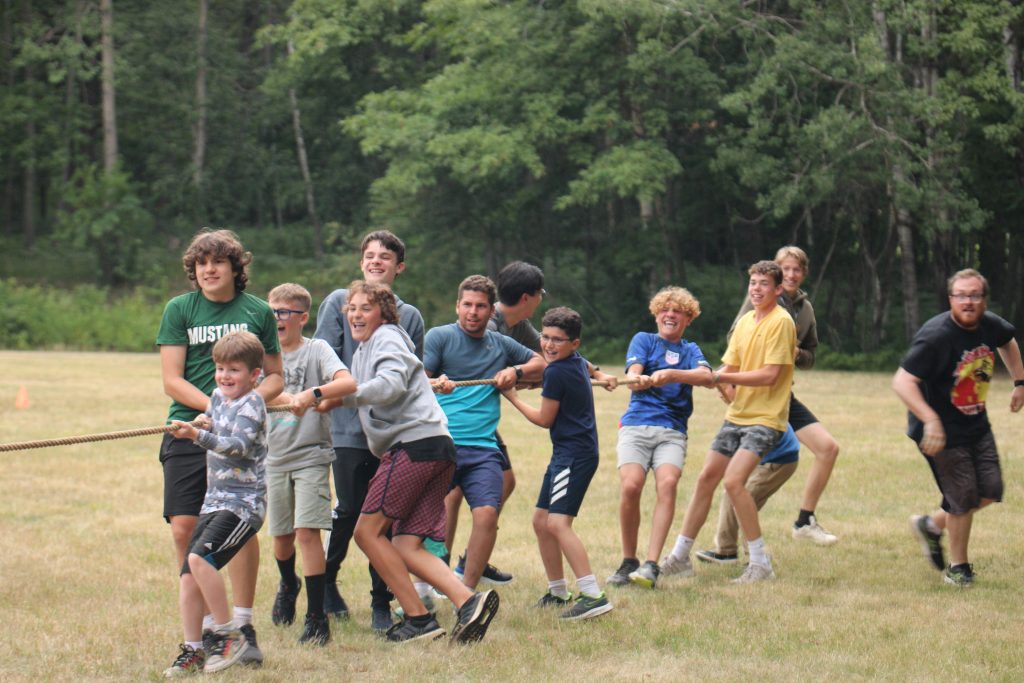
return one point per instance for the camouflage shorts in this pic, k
(755, 438)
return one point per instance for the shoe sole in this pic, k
(430, 635)
(591, 613)
(798, 535)
(925, 545)
(617, 580)
(954, 582)
(225, 662)
(638, 580)
(476, 626)
(717, 559)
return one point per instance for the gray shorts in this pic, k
(299, 499)
(755, 438)
(967, 474)
(651, 447)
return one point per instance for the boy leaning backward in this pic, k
(567, 409)
(299, 463)
(234, 435)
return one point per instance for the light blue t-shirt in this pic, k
(472, 412)
(787, 451)
(669, 406)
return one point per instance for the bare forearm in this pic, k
(186, 393)
(762, 377)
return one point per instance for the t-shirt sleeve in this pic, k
(782, 342)
(327, 361)
(515, 353)
(268, 331)
(433, 350)
(329, 321)
(921, 360)
(172, 330)
(554, 383)
(697, 358)
(638, 350)
(1005, 331)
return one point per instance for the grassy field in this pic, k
(88, 587)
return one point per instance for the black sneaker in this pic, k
(621, 575)
(491, 573)
(283, 613)
(334, 604)
(380, 618)
(252, 656)
(717, 557)
(317, 630)
(961, 575)
(188, 662)
(405, 631)
(549, 599)
(474, 617)
(931, 543)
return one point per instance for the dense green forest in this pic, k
(620, 144)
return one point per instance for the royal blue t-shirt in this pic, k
(669, 406)
(787, 451)
(574, 432)
(472, 412)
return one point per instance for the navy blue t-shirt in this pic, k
(669, 406)
(574, 432)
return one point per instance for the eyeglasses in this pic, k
(963, 298)
(557, 341)
(285, 313)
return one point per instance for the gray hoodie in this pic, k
(395, 400)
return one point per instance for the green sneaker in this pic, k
(551, 600)
(587, 607)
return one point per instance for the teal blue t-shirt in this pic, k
(472, 412)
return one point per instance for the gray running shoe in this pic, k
(756, 572)
(676, 566)
(587, 607)
(252, 656)
(646, 575)
(717, 557)
(474, 617)
(406, 632)
(621, 575)
(549, 599)
(931, 543)
(225, 650)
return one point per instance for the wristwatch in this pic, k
(1018, 383)
(519, 371)
(317, 396)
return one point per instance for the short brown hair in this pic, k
(218, 244)
(565, 319)
(791, 251)
(965, 274)
(675, 296)
(479, 283)
(388, 240)
(378, 294)
(289, 291)
(239, 346)
(767, 268)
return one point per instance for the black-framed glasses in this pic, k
(557, 341)
(283, 314)
(964, 298)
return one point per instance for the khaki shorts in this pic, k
(651, 447)
(299, 499)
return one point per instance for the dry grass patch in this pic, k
(88, 586)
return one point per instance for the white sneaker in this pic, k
(756, 572)
(815, 533)
(676, 566)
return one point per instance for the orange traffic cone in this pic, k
(21, 399)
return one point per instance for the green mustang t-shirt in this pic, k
(193, 321)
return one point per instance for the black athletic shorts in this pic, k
(966, 475)
(184, 466)
(799, 415)
(217, 538)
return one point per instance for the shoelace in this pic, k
(186, 657)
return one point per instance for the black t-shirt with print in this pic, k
(955, 367)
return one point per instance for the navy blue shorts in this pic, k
(565, 483)
(478, 473)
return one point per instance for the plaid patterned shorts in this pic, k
(411, 493)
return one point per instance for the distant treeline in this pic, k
(619, 145)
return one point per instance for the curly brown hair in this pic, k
(378, 294)
(218, 244)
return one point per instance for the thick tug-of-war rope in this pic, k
(146, 431)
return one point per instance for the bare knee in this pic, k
(734, 486)
(485, 516)
(307, 536)
(540, 522)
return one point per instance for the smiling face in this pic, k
(379, 264)
(763, 291)
(474, 310)
(363, 317)
(235, 379)
(672, 322)
(967, 302)
(793, 275)
(555, 343)
(289, 323)
(215, 278)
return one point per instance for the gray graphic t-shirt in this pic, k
(236, 457)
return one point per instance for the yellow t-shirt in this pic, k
(772, 341)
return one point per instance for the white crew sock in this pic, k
(757, 552)
(208, 622)
(559, 588)
(243, 616)
(587, 585)
(683, 546)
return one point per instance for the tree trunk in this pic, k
(908, 268)
(6, 40)
(307, 180)
(199, 151)
(109, 109)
